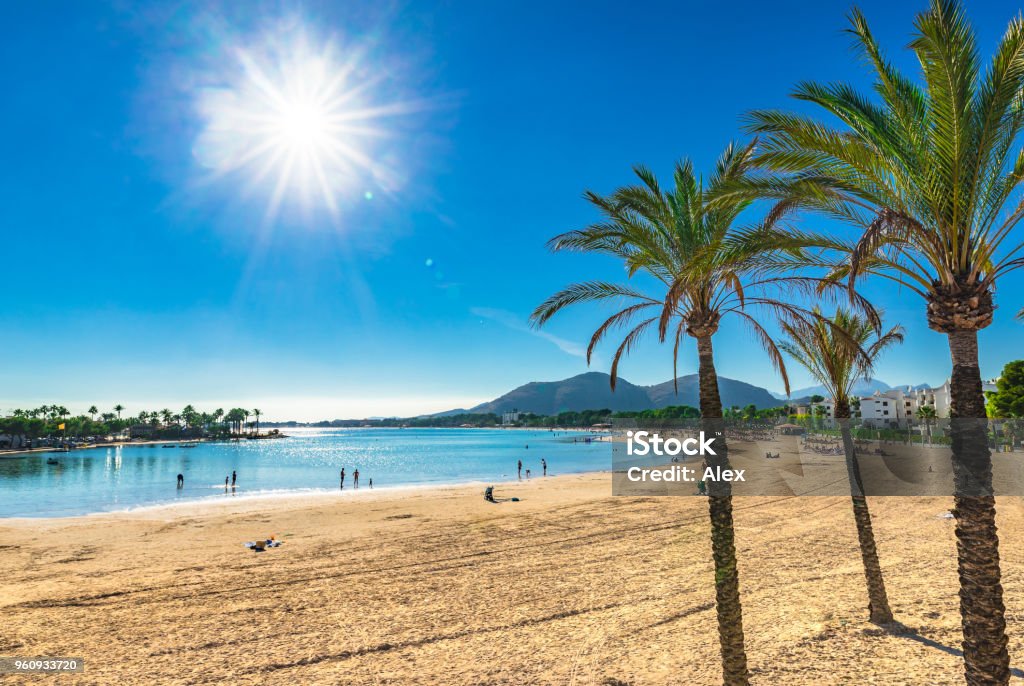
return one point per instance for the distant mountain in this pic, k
(449, 413)
(591, 391)
(733, 392)
(862, 387)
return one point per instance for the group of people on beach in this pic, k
(232, 481)
(519, 468)
(228, 480)
(355, 479)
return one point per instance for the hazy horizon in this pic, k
(316, 409)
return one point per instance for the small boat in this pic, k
(170, 445)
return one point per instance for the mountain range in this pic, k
(862, 387)
(592, 391)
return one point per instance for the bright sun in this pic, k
(303, 124)
(296, 122)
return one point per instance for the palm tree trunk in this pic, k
(723, 545)
(878, 600)
(977, 545)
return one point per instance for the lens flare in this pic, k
(293, 119)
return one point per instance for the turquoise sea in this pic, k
(309, 460)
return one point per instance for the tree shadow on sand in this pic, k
(904, 631)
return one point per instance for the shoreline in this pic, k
(13, 454)
(288, 499)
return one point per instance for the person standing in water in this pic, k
(181, 481)
(234, 478)
(226, 479)
(544, 466)
(371, 484)
(519, 470)
(355, 478)
(343, 478)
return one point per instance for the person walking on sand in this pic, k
(234, 478)
(343, 478)
(355, 478)
(544, 466)
(181, 481)
(519, 470)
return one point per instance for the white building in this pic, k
(509, 418)
(898, 404)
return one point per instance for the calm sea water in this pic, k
(110, 479)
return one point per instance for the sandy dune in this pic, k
(568, 586)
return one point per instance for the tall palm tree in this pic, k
(118, 409)
(704, 271)
(257, 413)
(930, 174)
(93, 410)
(838, 365)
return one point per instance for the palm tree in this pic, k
(838, 365)
(118, 408)
(189, 414)
(93, 410)
(929, 174)
(705, 271)
(257, 413)
(928, 415)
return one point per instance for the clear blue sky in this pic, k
(133, 272)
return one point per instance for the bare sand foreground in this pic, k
(568, 586)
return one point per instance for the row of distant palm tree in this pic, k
(236, 419)
(929, 176)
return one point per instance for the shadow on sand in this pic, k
(903, 631)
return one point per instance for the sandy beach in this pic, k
(437, 586)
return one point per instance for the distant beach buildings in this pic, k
(510, 418)
(889, 408)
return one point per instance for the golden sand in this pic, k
(567, 586)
